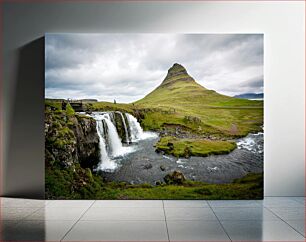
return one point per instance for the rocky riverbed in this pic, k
(144, 165)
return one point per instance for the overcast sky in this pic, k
(126, 67)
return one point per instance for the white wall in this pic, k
(283, 25)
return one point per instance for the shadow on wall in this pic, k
(25, 155)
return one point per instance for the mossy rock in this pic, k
(193, 147)
(175, 178)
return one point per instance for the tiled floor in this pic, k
(274, 219)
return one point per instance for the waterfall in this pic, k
(125, 128)
(105, 162)
(136, 131)
(114, 139)
(135, 128)
(111, 147)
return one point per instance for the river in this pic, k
(143, 164)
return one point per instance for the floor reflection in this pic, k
(274, 219)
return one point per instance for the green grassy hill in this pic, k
(212, 112)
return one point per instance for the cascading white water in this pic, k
(114, 139)
(111, 146)
(135, 128)
(106, 163)
(137, 132)
(125, 128)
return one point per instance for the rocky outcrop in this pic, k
(177, 73)
(122, 126)
(87, 141)
(175, 178)
(70, 139)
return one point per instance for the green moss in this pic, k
(58, 111)
(53, 105)
(193, 147)
(108, 106)
(69, 110)
(71, 183)
(62, 137)
(245, 189)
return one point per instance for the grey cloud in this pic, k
(253, 85)
(254, 82)
(128, 66)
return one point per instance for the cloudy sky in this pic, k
(126, 67)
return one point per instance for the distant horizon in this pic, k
(128, 103)
(127, 67)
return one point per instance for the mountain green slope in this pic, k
(194, 107)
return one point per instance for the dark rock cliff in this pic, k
(71, 153)
(120, 120)
(70, 139)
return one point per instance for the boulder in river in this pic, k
(147, 166)
(162, 167)
(175, 178)
(158, 183)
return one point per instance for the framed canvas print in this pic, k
(154, 116)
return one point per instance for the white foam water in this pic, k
(137, 132)
(105, 162)
(181, 161)
(111, 147)
(252, 143)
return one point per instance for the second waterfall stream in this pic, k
(118, 135)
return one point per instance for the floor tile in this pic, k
(140, 220)
(55, 230)
(22, 203)
(298, 225)
(128, 203)
(244, 214)
(289, 213)
(69, 203)
(131, 213)
(235, 203)
(118, 231)
(57, 214)
(39, 230)
(185, 203)
(281, 202)
(16, 213)
(261, 231)
(196, 231)
(300, 200)
(189, 214)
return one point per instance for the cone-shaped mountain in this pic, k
(218, 113)
(179, 88)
